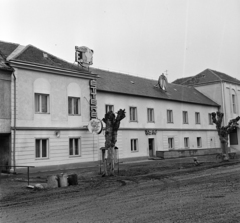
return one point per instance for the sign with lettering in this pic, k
(84, 55)
(93, 100)
(150, 132)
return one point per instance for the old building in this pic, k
(224, 90)
(46, 104)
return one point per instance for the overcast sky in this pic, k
(138, 37)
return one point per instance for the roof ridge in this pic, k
(18, 51)
(122, 73)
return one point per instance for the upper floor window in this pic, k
(234, 103)
(171, 143)
(210, 119)
(150, 114)
(41, 148)
(109, 108)
(199, 142)
(185, 117)
(197, 117)
(133, 113)
(41, 103)
(134, 145)
(169, 116)
(74, 147)
(73, 106)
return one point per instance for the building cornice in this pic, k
(53, 70)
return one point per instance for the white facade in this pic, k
(162, 129)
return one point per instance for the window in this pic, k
(73, 106)
(134, 145)
(185, 117)
(109, 108)
(133, 114)
(169, 116)
(197, 117)
(74, 147)
(234, 103)
(171, 143)
(41, 148)
(186, 142)
(199, 142)
(41, 103)
(210, 119)
(150, 114)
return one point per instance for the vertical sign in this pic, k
(93, 100)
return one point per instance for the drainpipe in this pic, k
(14, 122)
(223, 103)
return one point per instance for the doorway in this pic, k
(5, 152)
(151, 147)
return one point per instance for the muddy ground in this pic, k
(154, 191)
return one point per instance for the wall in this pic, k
(177, 130)
(58, 85)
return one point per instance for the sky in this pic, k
(143, 38)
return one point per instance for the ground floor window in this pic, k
(41, 148)
(186, 142)
(74, 147)
(171, 143)
(199, 142)
(134, 145)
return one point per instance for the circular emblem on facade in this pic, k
(95, 126)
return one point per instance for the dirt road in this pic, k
(204, 195)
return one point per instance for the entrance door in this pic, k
(5, 155)
(151, 146)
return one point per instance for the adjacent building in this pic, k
(224, 90)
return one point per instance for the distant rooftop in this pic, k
(205, 77)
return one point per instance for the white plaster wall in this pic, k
(58, 85)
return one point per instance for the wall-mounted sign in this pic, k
(150, 132)
(93, 100)
(162, 82)
(84, 55)
(95, 126)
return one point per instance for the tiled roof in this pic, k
(181, 80)
(32, 54)
(3, 65)
(7, 48)
(132, 85)
(207, 76)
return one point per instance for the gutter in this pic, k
(14, 123)
(223, 103)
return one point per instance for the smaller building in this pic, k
(224, 90)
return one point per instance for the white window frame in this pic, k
(41, 152)
(185, 117)
(186, 142)
(197, 118)
(134, 145)
(150, 114)
(73, 143)
(169, 116)
(234, 104)
(72, 112)
(131, 114)
(171, 143)
(40, 103)
(109, 107)
(199, 142)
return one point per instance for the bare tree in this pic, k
(224, 131)
(112, 125)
